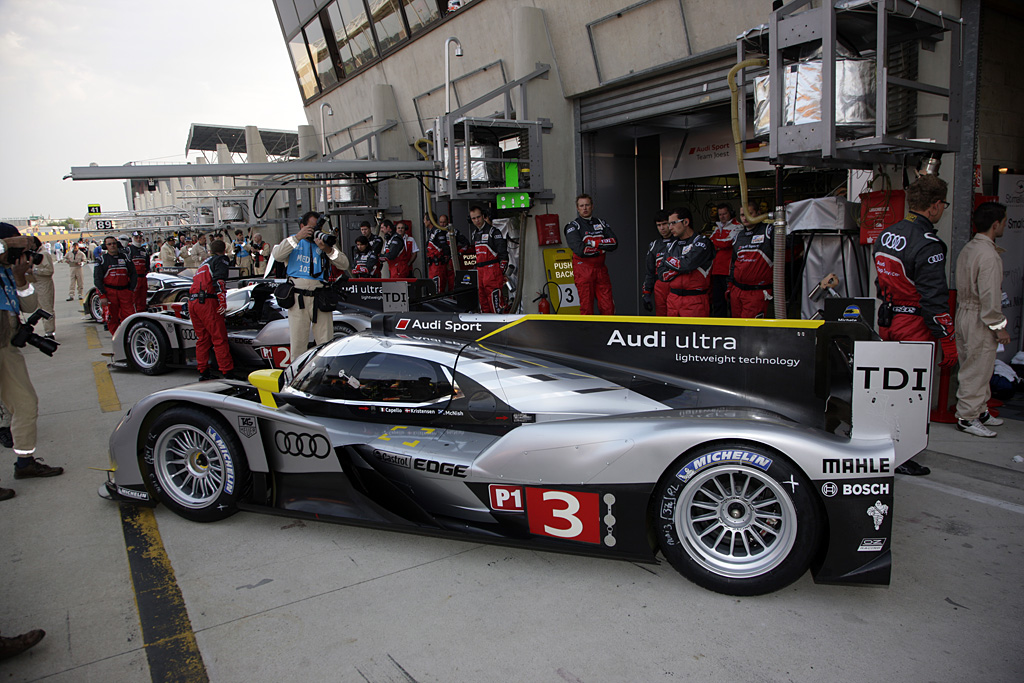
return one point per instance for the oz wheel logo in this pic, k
(829, 489)
(302, 445)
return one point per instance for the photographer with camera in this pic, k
(114, 278)
(16, 390)
(307, 255)
(40, 276)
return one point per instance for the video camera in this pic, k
(10, 255)
(25, 334)
(325, 237)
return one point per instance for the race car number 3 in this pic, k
(572, 515)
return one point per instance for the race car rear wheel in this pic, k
(737, 519)
(147, 347)
(195, 464)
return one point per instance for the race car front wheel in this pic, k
(736, 519)
(147, 347)
(195, 464)
(93, 307)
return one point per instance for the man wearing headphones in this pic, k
(491, 261)
(308, 258)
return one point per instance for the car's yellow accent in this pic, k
(267, 381)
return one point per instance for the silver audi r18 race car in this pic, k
(744, 452)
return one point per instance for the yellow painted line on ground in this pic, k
(169, 639)
(109, 402)
(92, 338)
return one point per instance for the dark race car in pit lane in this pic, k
(258, 337)
(163, 289)
(745, 452)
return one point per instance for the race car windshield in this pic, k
(374, 378)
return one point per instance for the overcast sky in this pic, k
(113, 81)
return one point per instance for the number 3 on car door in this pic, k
(570, 515)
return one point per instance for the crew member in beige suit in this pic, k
(980, 323)
(75, 260)
(41, 277)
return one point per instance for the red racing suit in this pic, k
(723, 237)
(394, 254)
(652, 285)
(365, 264)
(686, 268)
(910, 261)
(589, 239)
(750, 277)
(207, 302)
(439, 260)
(115, 278)
(140, 259)
(491, 261)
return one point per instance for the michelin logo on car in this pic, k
(691, 468)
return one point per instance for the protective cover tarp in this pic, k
(854, 95)
(825, 213)
(839, 254)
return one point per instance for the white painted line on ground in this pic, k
(976, 497)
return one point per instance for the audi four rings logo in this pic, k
(937, 258)
(304, 445)
(894, 242)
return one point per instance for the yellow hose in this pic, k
(737, 139)
(452, 246)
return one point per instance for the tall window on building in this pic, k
(330, 40)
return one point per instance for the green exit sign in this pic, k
(514, 200)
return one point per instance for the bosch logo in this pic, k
(829, 489)
(891, 241)
(302, 445)
(938, 258)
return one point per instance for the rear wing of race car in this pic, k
(835, 376)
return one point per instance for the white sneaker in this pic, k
(975, 427)
(990, 420)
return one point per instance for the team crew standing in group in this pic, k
(75, 260)
(138, 252)
(655, 291)
(722, 237)
(114, 278)
(590, 238)
(750, 274)
(260, 253)
(686, 267)
(491, 261)
(243, 256)
(168, 255)
(207, 304)
(980, 323)
(910, 261)
(308, 261)
(198, 252)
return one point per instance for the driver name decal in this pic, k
(691, 468)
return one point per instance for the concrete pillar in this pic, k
(223, 157)
(255, 152)
(531, 45)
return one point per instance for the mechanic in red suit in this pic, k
(115, 278)
(393, 253)
(439, 254)
(491, 261)
(723, 237)
(750, 274)
(207, 302)
(910, 261)
(655, 291)
(590, 238)
(138, 252)
(686, 268)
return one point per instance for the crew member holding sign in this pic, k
(307, 256)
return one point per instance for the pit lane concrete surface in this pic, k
(272, 598)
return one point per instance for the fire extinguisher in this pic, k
(544, 305)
